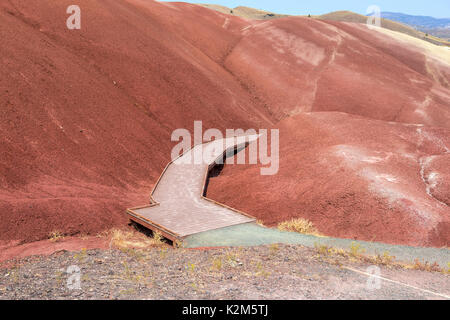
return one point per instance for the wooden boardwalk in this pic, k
(178, 206)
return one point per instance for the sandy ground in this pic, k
(432, 51)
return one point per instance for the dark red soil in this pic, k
(353, 178)
(13, 250)
(87, 115)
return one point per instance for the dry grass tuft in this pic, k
(357, 254)
(217, 264)
(133, 239)
(427, 266)
(55, 236)
(260, 223)
(299, 225)
(356, 250)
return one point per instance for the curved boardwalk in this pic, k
(179, 208)
(180, 211)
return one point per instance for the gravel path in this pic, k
(264, 272)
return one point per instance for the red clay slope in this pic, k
(353, 178)
(300, 64)
(87, 114)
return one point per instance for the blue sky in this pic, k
(434, 8)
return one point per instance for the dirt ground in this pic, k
(265, 272)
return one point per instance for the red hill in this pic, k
(87, 116)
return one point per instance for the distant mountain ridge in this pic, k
(350, 16)
(438, 36)
(245, 12)
(439, 27)
(417, 21)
